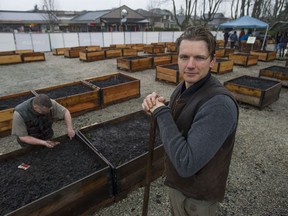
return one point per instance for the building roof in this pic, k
(90, 15)
(23, 17)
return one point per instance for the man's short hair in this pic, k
(42, 100)
(198, 33)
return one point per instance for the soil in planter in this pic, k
(278, 69)
(13, 102)
(173, 67)
(221, 60)
(122, 141)
(66, 91)
(252, 82)
(134, 57)
(115, 80)
(50, 170)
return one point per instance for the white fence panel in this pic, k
(127, 37)
(176, 35)
(84, 39)
(57, 40)
(41, 42)
(23, 41)
(166, 36)
(7, 42)
(97, 39)
(151, 37)
(118, 38)
(107, 39)
(137, 37)
(71, 39)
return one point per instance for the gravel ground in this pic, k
(258, 179)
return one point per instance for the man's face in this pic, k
(194, 61)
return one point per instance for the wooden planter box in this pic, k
(126, 151)
(219, 43)
(169, 73)
(174, 58)
(160, 59)
(244, 59)
(222, 66)
(113, 53)
(153, 49)
(228, 51)
(134, 63)
(275, 73)
(7, 52)
(129, 52)
(32, 57)
(73, 52)
(10, 59)
(93, 48)
(59, 51)
(219, 53)
(138, 47)
(89, 56)
(254, 91)
(78, 97)
(7, 105)
(115, 88)
(24, 51)
(74, 186)
(264, 55)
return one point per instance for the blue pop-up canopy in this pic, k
(246, 22)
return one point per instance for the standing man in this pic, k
(197, 128)
(233, 39)
(33, 119)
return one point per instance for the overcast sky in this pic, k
(78, 5)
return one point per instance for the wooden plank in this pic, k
(10, 59)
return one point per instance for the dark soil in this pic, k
(124, 140)
(66, 91)
(221, 60)
(254, 82)
(13, 102)
(278, 69)
(50, 170)
(173, 67)
(135, 57)
(115, 80)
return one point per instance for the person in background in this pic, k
(242, 32)
(277, 42)
(33, 119)
(197, 128)
(226, 37)
(283, 44)
(233, 39)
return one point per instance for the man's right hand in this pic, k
(51, 144)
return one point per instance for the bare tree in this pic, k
(49, 8)
(213, 7)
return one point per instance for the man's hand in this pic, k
(152, 101)
(70, 133)
(51, 144)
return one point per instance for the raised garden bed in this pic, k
(169, 73)
(129, 52)
(73, 52)
(134, 63)
(78, 97)
(160, 59)
(32, 57)
(278, 73)
(59, 51)
(229, 51)
(124, 143)
(219, 52)
(255, 91)
(115, 88)
(89, 56)
(113, 53)
(244, 59)
(222, 66)
(264, 55)
(7, 52)
(10, 59)
(69, 179)
(24, 51)
(7, 105)
(93, 48)
(174, 58)
(153, 49)
(138, 47)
